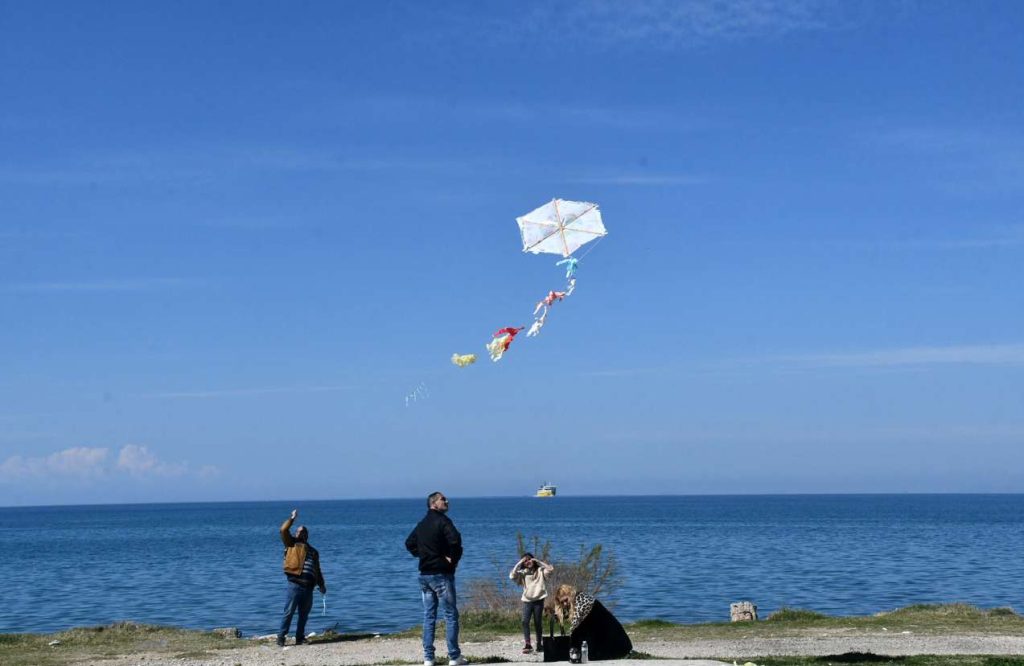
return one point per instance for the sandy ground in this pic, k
(690, 653)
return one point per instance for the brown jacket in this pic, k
(295, 556)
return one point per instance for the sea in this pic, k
(680, 558)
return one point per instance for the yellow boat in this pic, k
(547, 490)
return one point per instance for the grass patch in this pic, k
(926, 619)
(652, 623)
(938, 610)
(490, 621)
(94, 643)
(795, 615)
(1005, 611)
(634, 654)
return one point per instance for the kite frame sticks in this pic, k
(560, 227)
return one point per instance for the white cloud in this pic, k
(139, 461)
(92, 463)
(80, 462)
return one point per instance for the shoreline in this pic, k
(950, 629)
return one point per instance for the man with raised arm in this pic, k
(438, 545)
(302, 567)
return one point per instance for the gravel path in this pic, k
(688, 653)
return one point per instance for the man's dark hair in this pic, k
(432, 497)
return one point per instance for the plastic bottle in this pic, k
(584, 653)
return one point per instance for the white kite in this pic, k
(561, 227)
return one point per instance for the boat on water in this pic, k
(547, 490)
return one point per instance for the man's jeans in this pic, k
(439, 588)
(297, 598)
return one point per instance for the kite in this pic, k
(502, 338)
(560, 227)
(462, 360)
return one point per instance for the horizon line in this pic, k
(485, 497)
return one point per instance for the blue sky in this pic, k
(235, 235)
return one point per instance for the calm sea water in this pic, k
(683, 558)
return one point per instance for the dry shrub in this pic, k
(594, 571)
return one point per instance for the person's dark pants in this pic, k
(297, 598)
(535, 610)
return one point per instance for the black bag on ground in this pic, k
(556, 648)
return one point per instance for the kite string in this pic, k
(591, 248)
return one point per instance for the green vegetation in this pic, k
(95, 643)
(924, 619)
(795, 615)
(653, 623)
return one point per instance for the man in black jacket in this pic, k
(438, 545)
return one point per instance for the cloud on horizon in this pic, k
(86, 463)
